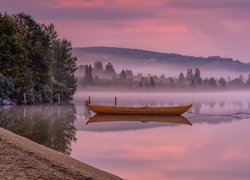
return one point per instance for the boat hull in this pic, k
(177, 110)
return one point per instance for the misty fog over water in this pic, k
(211, 99)
(211, 147)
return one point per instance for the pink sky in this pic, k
(192, 27)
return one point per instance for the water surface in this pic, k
(213, 147)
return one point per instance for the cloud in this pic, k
(209, 4)
(76, 13)
(193, 27)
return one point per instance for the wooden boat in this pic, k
(177, 110)
(111, 118)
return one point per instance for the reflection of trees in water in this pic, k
(211, 104)
(197, 107)
(222, 104)
(238, 103)
(49, 125)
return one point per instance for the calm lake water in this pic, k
(213, 147)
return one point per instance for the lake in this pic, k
(215, 145)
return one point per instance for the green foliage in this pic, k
(189, 75)
(126, 79)
(181, 78)
(123, 75)
(211, 82)
(64, 67)
(248, 81)
(151, 81)
(171, 81)
(98, 66)
(197, 77)
(35, 60)
(129, 74)
(109, 69)
(7, 89)
(37, 45)
(14, 60)
(222, 82)
(237, 82)
(88, 78)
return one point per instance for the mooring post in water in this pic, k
(86, 103)
(115, 100)
(59, 98)
(24, 98)
(89, 99)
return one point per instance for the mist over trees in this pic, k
(160, 62)
(109, 69)
(98, 66)
(88, 78)
(126, 78)
(35, 61)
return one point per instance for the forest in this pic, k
(36, 66)
(99, 75)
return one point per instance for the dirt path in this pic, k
(21, 158)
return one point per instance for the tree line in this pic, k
(35, 61)
(97, 75)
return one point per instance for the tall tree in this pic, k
(162, 78)
(88, 78)
(222, 82)
(248, 81)
(64, 66)
(212, 82)
(123, 75)
(151, 81)
(171, 81)
(98, 66)
(109, 69)
(197, 77)
(37, 44)
(14, 61)
(189, 76)
(236, 83)
(181, 78)
(34, 59)
(129, 73)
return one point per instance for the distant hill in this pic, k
(158, 63)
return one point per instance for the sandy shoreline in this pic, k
(21, 158)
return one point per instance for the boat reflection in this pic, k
(117, 118)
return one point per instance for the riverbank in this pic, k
(23, 159)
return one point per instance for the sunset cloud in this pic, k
(193, 27)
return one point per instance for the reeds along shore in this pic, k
(23, 159)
